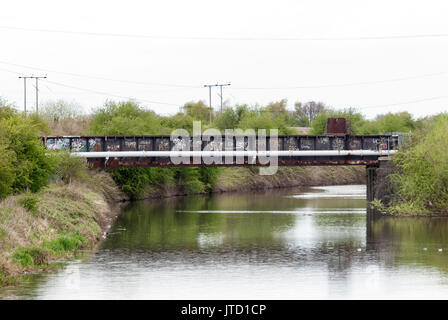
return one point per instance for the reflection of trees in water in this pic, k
(401, 240)
(171, 225)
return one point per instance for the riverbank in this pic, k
(241, 179)
(415, 183)
(38, 229)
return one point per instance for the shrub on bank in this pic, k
(23, 161)
(423, 178)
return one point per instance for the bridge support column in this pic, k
(378, 182)
(371, 183)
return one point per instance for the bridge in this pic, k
(165, 150)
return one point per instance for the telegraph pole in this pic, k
(37, 90)
(222, 85)
(210, 97)
(210, 94)
(24, 92)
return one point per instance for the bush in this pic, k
(30, 204)
(7, 169)
(70, 168)
(386, 123)
(189, 179)
(208, 176)
(423, 165)
(24, 164)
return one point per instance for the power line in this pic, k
(318, 86)
(171, 104)
(109, 94)
(101, 78)
(207, 38)
(405, 102)
(349, 84)
(95, 91)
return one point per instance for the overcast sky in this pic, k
(378, 56)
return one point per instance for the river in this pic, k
(316, 243)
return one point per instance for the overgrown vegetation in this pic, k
(64, 118)
(128, 118)
(387, 123)
(53, 223)
(24, 164)
(422, 180)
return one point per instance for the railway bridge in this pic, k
(371, 151)
(166, 150)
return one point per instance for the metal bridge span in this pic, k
(292, 150)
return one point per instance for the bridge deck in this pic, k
(114, 144)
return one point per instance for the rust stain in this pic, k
(115, 163)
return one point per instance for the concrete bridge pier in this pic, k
(378, 182)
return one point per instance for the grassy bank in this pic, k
(38, 229)
(245, 179)
(419, 183)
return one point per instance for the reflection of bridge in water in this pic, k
(291, 150)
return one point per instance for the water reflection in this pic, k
(287, 244)
(409, 241)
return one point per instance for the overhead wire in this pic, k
(226, 38)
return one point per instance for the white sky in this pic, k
(246, 64)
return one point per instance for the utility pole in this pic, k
(37, 90)
(222, 85)
(210, 95)
(24, 93)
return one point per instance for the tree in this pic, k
(354, 118)
(307, 112)
(391, 122)
(124, 118)
(60, 109)
(277, 108)
(228, 119)
(197, 111)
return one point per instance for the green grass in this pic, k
(30, 204)
(53, 224)
(40, 255)
(68, 242)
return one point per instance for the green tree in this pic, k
(197, 111)
(228, 119)
(177, 121)
(124, 118)
(24, 163)
(391, 122)
(355, 119)
(277, 108)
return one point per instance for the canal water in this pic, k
(290, 244)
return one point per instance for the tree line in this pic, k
(25, 165)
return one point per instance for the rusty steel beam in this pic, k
(115, 163)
